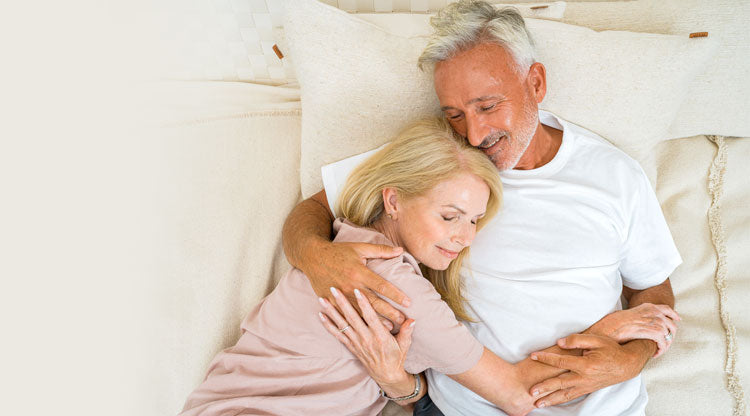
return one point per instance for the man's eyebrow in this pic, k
(484, 98)
(474, 100)
(456, 208)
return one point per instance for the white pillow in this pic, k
(360, 84)
(717, 102)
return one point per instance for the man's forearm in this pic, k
(659, 295)
(308, 223)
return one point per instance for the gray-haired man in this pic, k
(580, 225)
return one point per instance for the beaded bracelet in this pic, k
(417, 387)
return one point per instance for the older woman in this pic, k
(429, 192)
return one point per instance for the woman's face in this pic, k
(436, 226)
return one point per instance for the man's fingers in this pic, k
(551, 385)
(377, 251)
(384, 288)
(387, 324)
(384, 308)
(582, 341)
(559, 397)
(566, 362)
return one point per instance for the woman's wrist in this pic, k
(401, 385)
(419, 390)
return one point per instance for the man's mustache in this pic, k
(491, 138)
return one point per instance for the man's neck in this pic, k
(542, 149)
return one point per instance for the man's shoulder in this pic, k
(595, 150)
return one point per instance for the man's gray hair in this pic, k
(467, 23)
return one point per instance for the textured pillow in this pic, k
(718, 101)
(360, 84)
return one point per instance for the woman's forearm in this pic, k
(507, 385)
(499, 382)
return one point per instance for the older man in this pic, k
(580, 226)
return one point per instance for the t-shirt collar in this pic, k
(557, 162)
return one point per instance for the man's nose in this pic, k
(475, 131)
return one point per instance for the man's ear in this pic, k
(390, 201)
(537, 81)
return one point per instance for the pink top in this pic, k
(286, 363)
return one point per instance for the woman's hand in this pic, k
(645, 321)
(381, 353)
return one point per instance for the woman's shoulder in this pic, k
(402, 270)
(348, 232)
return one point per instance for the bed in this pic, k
(255, 98)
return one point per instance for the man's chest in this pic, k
(544, 227)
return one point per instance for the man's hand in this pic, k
(342, 265)
(308, 247)
(645, 321)
(604, 362)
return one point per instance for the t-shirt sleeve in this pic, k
(439, 340)
(649, 253)
(335, 174)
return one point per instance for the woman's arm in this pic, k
(382, 354)
(306, 238)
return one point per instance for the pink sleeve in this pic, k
(439, 341)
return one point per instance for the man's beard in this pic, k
(512, 145)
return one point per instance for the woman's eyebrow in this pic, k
(456, 208)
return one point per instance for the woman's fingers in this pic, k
(371, 317)
(333, 313)
(344, 339)
(403, 338)
(338, 321)
(669, 325)
(351, 315)
(668, 312)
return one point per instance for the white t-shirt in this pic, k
(554, 261)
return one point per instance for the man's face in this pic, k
(487, 101)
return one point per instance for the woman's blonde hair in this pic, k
(421, 156)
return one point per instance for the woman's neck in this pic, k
(388, 228)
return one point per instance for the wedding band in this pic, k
(349, 326)
(668, 337)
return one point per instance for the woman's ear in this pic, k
(390, 202)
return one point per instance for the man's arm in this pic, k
(604, 361)
(306, 238)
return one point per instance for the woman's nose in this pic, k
(465, 235)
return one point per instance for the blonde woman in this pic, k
(428, 192)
